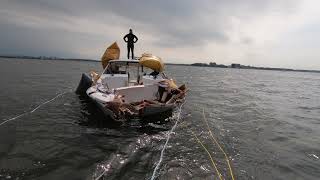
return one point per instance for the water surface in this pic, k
(268, 123)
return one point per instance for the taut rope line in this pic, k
(217, 143)
(165, 145)
(211, 158)
(29, 112)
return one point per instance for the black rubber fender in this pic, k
(84, 84)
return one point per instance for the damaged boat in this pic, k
(129, 89)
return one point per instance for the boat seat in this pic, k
(115, 81)
(147, 79)
(138, 93)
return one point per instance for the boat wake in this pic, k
(165, 145)
(135, 153)
(123, 159)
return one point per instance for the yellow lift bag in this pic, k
(153, 62)
(111, 53)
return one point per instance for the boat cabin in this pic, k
(131, 79)
(125, 73)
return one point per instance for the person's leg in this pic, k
(132, 54)
(128, 48)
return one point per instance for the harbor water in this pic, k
(267, 122)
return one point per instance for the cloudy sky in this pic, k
(274, 33)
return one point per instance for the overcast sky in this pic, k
(274, 33)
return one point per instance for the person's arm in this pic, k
(124, 38)
(135, 38)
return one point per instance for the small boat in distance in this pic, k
(129, 89)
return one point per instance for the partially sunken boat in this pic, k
(129, 89)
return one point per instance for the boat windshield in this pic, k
(133, 69)
(125, 67)
(121, 67)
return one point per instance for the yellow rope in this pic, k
(216, 142)
(211, 158)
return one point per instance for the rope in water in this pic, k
(104, 169)
(211, 158)
(217, 143)
(165, 145)
(29, 112)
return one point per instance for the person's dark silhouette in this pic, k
(130, 39)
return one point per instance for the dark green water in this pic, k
(268, 122)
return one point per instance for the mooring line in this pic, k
(211, 158)
(13, 118)
(165, 145)
(214, 164)
(104, 170)
(217, 143)
(29, 112)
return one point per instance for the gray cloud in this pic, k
(27, 41)
(66, 28)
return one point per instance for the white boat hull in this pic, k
(125, 93)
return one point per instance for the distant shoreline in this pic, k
(239, 66)
(48, 58)
(213, 65)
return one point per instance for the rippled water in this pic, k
(268, 123)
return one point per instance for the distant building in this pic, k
(212, 64)
(199, 64)
(235, 65)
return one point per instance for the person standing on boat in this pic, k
(130, 39)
